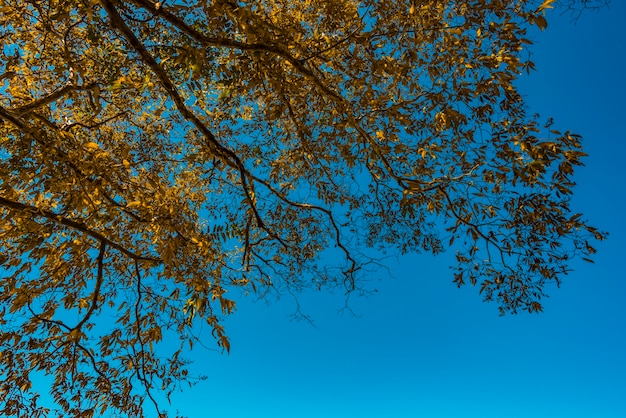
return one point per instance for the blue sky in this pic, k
(420, 347)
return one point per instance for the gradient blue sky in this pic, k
(422, 348)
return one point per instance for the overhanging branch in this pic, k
(52, 97)
(78, 226)
(220, 151)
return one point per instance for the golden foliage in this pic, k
(155, 156)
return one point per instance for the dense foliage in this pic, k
(157, 156)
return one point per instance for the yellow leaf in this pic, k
(547, 4)
(66, 135)
(541, 22)
(227, 305)
(114, 86)
(92, 146)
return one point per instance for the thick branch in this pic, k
(225, 154)
(52, 97)
(79, 226)
(209, 41)
(34, 133)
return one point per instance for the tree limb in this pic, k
(79, 226)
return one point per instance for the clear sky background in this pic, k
(420, 347)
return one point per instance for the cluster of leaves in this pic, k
(154, 156)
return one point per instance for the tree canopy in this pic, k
(157, 159)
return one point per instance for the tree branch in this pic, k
(52, 97)
(96, 291)
(142, 366)
(220, 151)
(79, 226)
(208, 41)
